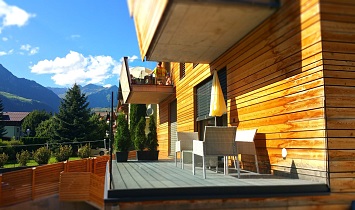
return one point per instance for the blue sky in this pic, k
(59, 42)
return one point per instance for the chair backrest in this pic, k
(186, 139)
(219, 140)
(245, 141)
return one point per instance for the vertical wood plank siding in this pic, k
(274, 83)
(338, 35)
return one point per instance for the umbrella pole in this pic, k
(215, 121)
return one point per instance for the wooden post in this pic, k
(1, 189)
(33, 183)
(95, 162)
(66, 166)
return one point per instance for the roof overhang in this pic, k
(196, 31)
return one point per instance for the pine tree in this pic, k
(2, 125)
(73, 119)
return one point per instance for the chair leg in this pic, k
(193, 163)
(257, 164)
(204, 167)
(182, 160)
(225, 164)
(238, 167)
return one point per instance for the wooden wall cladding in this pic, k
(338, 35)
(274, 83)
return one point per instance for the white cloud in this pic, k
(76, 68)
(34, 51)
(2, 53)
(5, 39)
(75, 36)
(13, 16)
(131, 58)
(31, 50)
(26, 47)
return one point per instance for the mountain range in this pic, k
(20, 94)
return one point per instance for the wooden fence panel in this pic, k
(97, 189)
(46, 180)
(74, 186)
(16, 187)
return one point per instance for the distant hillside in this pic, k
(98, 96)
(15, 103)
(41, 97)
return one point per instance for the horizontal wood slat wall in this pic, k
(41, 181)
(338, 29)
(274, 83)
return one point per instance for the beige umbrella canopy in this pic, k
(140, 72)
(218, 104)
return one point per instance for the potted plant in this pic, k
(122, 139)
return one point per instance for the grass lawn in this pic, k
(33, 163)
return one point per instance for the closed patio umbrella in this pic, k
(218, 104)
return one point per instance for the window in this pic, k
(182, 70)
(203, 100)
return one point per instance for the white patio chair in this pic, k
(245, 145)
(218, 141)
(184, 144)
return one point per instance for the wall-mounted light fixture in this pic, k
(284, 153)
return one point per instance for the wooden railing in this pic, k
(41, 181)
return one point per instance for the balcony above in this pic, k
(138, 92)
(191, 31)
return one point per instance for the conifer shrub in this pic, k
(63, 153)
(152, 139)
(84, 151)
(42, 155)
(122, 138)
(23, 157)
(140, 139)
(3, 159)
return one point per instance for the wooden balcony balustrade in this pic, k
(86, 175)
(140, 92)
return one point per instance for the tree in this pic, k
(47, 129)
(140, 138)
(3, 132)
(137, 111)
(32, 120)
(98, 127)
(122, 138)
(73, 118)
(152, 139)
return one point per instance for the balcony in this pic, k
(195, 31)
(141, 91)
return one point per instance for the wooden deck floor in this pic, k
(161, 180)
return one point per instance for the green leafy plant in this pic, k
(152, 139)
(140, 139)
(3, 159)
(84, 151)
(23, 157)
(122, 138)
(42, 155)
(63, 153)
